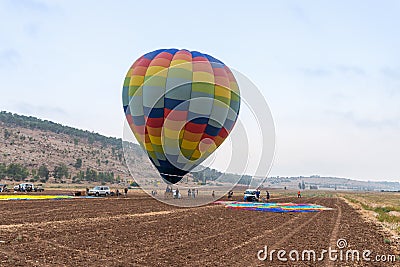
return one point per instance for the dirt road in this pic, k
(139, 231)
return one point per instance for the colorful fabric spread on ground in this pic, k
(35, 197)
(273, 207)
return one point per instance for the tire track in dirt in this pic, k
(313, 236)
(202, 239)
(209, 246)
(230, 253)
(254, 236)
(299, 216)
(335, 230)
(254, 239)
(279, 235)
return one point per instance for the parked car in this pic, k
(100, 191)
(25, 187)
(250, 195)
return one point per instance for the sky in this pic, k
(329, 70)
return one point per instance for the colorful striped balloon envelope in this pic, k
(181, 105)
(273, 207)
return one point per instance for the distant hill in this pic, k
(330, 183)
(30, 145)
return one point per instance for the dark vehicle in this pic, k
(250, 195)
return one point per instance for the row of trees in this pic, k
(94, 176)
(18, 172)
(14, 171)
(211, 175)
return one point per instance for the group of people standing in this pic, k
(125, 192)
(267, 195)
(4, 188)
(193, 193)
(26, 188)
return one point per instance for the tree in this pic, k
(300, 186)
(245, 179)
(7, 134)
(61, 171)
(43, 172)
(79, 177)
(78, 163)
(3, 170)
(91, 175)
(90, 140)
(303, 185)
(17, 172)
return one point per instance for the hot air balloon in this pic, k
(181, 105)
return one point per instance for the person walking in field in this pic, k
(268, 196)
(299, 194)
(189, 192)
(126, 191)
(230, 194)
(213, 194)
